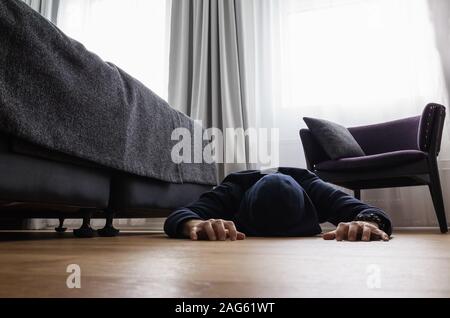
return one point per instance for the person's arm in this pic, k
(339, 208)
(208, 217)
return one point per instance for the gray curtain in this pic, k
(206, 67)
(48, 8)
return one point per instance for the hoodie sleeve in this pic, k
(222, 202)
(333, 205)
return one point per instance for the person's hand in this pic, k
(212, 229)
(356, 231)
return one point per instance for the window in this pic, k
(354, 62)
(132, 34)
(354, 56)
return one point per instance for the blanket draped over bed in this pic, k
(57, 94)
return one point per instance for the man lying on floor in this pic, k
(290, 202)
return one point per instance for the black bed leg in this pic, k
(109, 230)
(85, 230)
(436, 196)
(60, 228)
(357, 193)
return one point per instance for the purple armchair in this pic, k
(398, 153)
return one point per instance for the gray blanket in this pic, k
(57, 94)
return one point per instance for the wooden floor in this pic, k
(415, 263)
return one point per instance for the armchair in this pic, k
(398, 153)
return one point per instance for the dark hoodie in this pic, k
(290, 202)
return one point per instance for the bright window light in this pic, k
(131, 34)
(358, 53)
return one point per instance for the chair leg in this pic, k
(109, 230)
(85, 230)
(436, 195)
(60, 228)
(357, 193)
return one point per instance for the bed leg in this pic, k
(85, 230)
(60, 228)
(109, 230)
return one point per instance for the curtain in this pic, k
(206, 67)
(358, 62)
(132, 34)
(216, 57)
(440, 17)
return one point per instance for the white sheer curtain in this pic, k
(358, 62)
(132, 34)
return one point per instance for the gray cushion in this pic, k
(335, 139)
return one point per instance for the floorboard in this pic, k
(415, 263)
